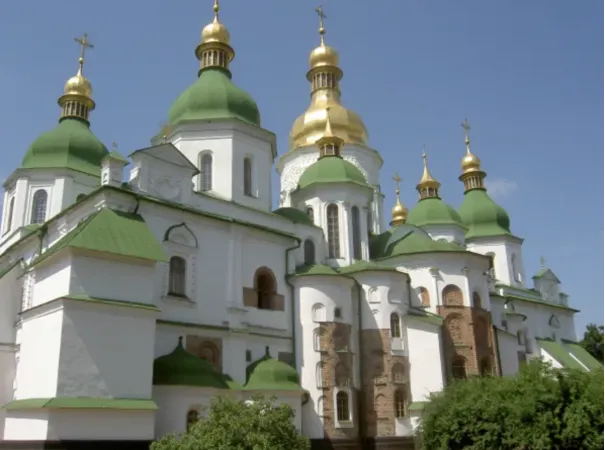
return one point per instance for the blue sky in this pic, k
(527, 74)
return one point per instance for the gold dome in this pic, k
(215, 32)
(78, 84)
(399, 213)
(324, 55)
(470, 162)
(427, 180)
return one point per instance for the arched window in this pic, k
(333, 232)
(192, 417)
(395, 326)
(514, 268)
(341, 375)
(342, 407)
(39, 203)
(9, 219)
(177, 276)
(452, 296)
(320, 406)
(310, 214)
(356, 232)
(400, 404)
(319, 380)
(398, 373)
(477, 300)
(206, 172)
(425, 298)
(340, 339)
(309, 249)
(266, 288)
(459, 367)
(492, 269)
(248, 176)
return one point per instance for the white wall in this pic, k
(507, 349)
(426, 359)
(503, 248)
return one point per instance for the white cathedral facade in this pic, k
(134, 290)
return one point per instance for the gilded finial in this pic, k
(470, 163)
(322, 31)
(427, 186)
(76, 100)
(216, 8)
(215, 50)
(329, 144)
(399, 212)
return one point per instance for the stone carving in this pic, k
(166, 187)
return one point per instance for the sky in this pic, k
(527, 75)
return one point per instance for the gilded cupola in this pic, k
(472, 175)
(427, 186)
(399, 213)
(76, 100)
(324, 75)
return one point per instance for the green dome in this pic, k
(483, 216)
(214, 96)
(331, 169)
(69, 145)
(295, 215)
(271, 374)
(406, 240)
(181, 368)
(433, 211)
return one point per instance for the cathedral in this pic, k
(136, 289)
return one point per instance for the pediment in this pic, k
(167, 153)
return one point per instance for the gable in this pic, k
(168, 154)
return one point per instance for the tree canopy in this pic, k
(593, 341)
(540, 409)
(239, 425)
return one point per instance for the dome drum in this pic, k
(214, 54)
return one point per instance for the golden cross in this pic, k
(397, 179)
(84, 43)
(424, 152)
(320, 12)
(467, 128)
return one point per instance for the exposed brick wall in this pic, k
(379, 382)
(210, 349)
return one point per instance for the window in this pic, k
(9, 218)
(492, 269)
(452, 296)
(514, 268)
(395, 326)
(356, 233)
(342, 406)
(192, 417)
(459, 367)
(398, 373)
(265, 289)
(310, 214)
(400, 404)
(206, 172)
(317, 334)
(309, 249)
(177, 276)
(337, 313)
(40, 200)
(248, 355)
(319, 375)
(476, 300)
(247, 176)
(333, 232)
(319, 312)
(425, 298)
(340, 339)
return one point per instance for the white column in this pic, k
(345, 237)
(467, 287)
(435, 274)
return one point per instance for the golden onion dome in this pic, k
(78, 84)
(470, 162)
(215, 31)
(399, 213)
(324, 55)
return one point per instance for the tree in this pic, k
(239, 425)
(540, 409)
(593, 341)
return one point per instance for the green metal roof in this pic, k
(82, 403)
(483, 216)
(295, 215)
(582, 355)
(272, 375)
(214, 96)
(560, 354)
(109, 231)
(331, 169)
(69, 145)
(433, 211)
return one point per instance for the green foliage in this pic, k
(593, 341)
(540, 409)
(239, 425)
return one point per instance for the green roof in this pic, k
(433, 211)
(543, 271)
(214, 96)
(82, 403)
(365, 266)
(560, 354)
(272, 375)
(582, 355)
(113, 232)
(315, 269)
(483, 216)
(408, 240)
(425, 316)
(295, 215)
(331, 169)
(117, 156)
(69, 145)
(181, 368)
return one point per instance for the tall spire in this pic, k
(215, 50)
(76, 100)
(427, 187)
(329, 144)
(472, 175)
(399, 212)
